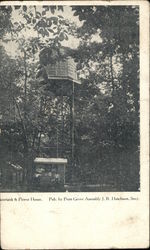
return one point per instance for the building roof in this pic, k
(50, 160)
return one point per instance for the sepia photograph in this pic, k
(74, 124)
(69, 98)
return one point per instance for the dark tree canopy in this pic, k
(34, 121)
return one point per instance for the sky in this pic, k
(12, 48)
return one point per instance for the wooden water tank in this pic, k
(59, 71)
(64, 69)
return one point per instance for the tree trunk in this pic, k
(25, 87)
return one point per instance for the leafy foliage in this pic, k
(35, 121)
(111, 65)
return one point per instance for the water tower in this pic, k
(60, 77)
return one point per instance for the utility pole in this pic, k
(72, 132)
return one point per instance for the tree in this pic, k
(32, 104)
(5, 20)
(112, 61)
(106, 103)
